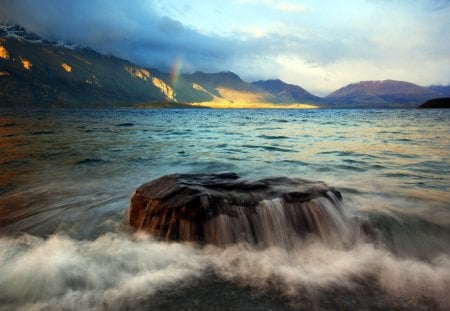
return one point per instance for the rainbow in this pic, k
(175, 72)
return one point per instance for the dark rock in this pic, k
(437, 103)
(224, 208)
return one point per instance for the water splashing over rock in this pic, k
(224, 209)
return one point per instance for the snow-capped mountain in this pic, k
(20, 33)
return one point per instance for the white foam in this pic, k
(117, 270)
(61, 272)
(319, 266)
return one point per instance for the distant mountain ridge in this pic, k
(289, 93)
(441, 89)
(212, 81)
(35, 72)
(228, 90)
(380, 94)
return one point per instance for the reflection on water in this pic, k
(71, 173)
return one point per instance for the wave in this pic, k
(118, 271)
(59, 272)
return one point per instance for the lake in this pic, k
(66, 178)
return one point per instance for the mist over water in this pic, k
(66, 178)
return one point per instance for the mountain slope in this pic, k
(227, 89)
(380, 94)
(230, 91)
(38, 73)
(289, 93)
(441, 89)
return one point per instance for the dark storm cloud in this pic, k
(324, 46)
(129, 29)
(136, 31)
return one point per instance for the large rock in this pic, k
(223, 209)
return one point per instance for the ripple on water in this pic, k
(268, 128)
(399, 155)
(138, 159)
(42, 133)
(235, 151)
(272, 137)
(295, 162)
(126, 124)
(405, 175)
(9, 124)
(349, 154)
(404, 140)
(338, 153)
(351, 168)
(273, 148)
(268, 148)
(91, 161)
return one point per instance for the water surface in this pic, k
(66, 177)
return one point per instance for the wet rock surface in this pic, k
(223, 209)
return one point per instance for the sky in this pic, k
(319, 45)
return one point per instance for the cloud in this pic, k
(291, 7)
(126, 28)
(326, 46)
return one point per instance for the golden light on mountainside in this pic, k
(195, 86)
(3, 53)
(138, 73)
(142, 73)
(238, 100)
(220, 103)
(66, 67)
(237, 96)
(246, 100)
(26, 64)
(165, 89)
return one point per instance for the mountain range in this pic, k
(381, 94)
(35, 72)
